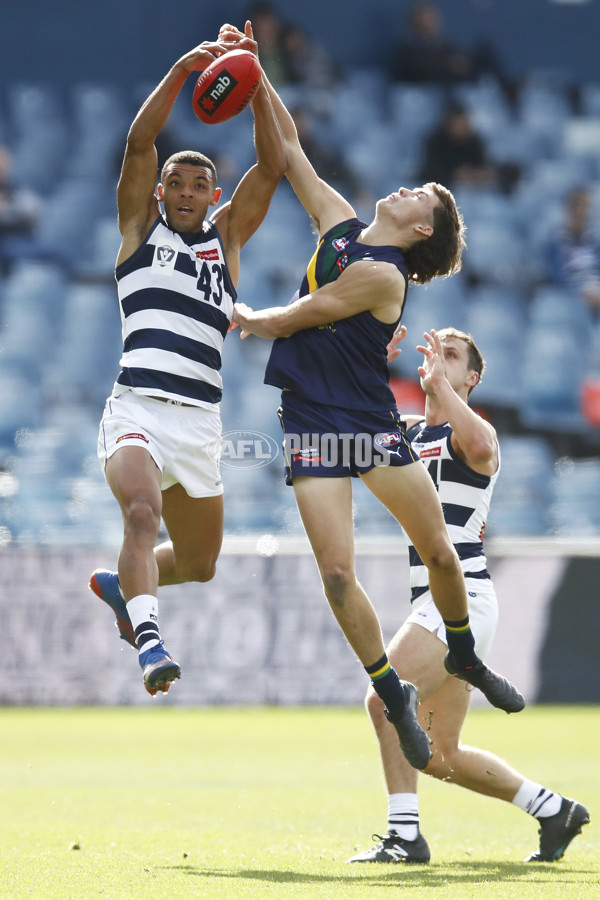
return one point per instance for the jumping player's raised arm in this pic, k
(324, 204)
(238, 219)
(473, 438)
(136, 200)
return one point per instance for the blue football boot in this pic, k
(105, 585)
(159, 669)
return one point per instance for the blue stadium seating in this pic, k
(575, 508)
(523, 491)
(553, 365)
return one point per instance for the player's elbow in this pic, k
(272, 171)
(139, 138)
(482, 451)
(279, 166)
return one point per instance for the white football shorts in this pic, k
(184, 441)
(483, 613)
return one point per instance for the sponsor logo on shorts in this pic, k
(248, 450)
(329, 450)
(307, 453)
(132, 436)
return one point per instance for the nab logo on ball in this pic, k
(216, 92)
(226, 87)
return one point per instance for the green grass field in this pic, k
(269, 803)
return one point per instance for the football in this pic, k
(226, 87)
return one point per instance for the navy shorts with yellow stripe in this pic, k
(334, 442)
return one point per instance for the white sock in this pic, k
(143, 612)
(403, 815)
(537, 800)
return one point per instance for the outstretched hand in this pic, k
(240, 314)
(234, 39)
(433, 368)
(230, 38)
(393, 351)
(198, 59)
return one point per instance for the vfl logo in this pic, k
(216, 92)
(164, 255)
(165, 258)
(340, 243)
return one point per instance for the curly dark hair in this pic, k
(192, 158)
(441, 254)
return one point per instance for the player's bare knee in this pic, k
(198, 570)
(141, 517)
(336, 582)
(443, 560)
(441, 764)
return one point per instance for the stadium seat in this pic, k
(481, 205)
(105, 243)
(554, 306)
(87, 359)
(380, 158)
(543, 110)
(498, 332)
(64, 230)
(38, 285)
(495, 254)
(486, 104)
(508, 300)
(550, 374)
(415, 109)
(523, 491)
(20, 404)
(38, 126)
(31, 315)
(575, 510)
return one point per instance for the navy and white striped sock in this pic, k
(537, 800)
(143, 612)
(403, 815)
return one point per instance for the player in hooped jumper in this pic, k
(160, 436)
(329, 358)
(460, 451)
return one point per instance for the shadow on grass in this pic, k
(428, 876)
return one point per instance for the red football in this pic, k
(226, 86)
